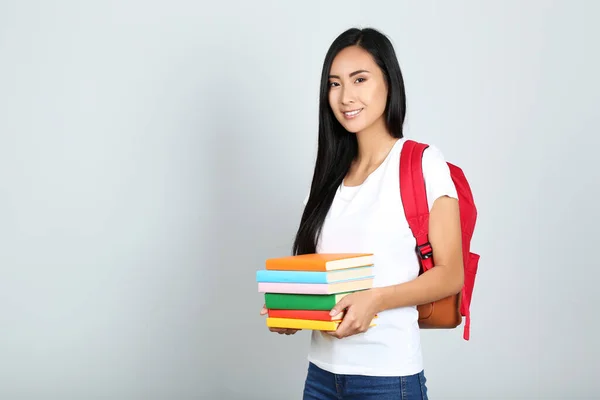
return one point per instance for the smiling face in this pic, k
(357, 90)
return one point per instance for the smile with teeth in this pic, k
(353, 113)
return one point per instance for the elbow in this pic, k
(460, 280)
(456, 280)
(459, 283)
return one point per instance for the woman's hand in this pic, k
(281, 331)
(361, 307)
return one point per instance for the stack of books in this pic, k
(300, 291)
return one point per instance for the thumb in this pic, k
(341, 305)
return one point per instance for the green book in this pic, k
(297, 301)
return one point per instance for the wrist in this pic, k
(379, 296)
(389, 297)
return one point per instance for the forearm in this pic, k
(437, 283)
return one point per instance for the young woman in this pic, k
(354, 205)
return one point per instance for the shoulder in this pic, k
(433, 160)
(433, 157)
(436, 174)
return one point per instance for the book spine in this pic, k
(296, 288)
(302, 324)
(291, 277)
(299, 302)
(317, 315)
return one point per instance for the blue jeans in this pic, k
(323, 385)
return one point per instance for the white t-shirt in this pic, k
(370, 218)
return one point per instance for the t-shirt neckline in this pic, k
(344, 187)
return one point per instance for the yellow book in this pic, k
(307, 324)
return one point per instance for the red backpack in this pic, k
(446, 313)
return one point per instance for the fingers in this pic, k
(349, 326)
(340, 332)
(341, 305)
(342, 329)
(281, 331)
(284, 331)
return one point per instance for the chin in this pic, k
(353, 127)
(350, 130)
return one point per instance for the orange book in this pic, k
(320, 262)
(317, 315)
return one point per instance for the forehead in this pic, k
(351, 59)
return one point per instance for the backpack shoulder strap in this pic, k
(414, 199)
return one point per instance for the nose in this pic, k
(348, 95)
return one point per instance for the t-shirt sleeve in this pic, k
(436, 173)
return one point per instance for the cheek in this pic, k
(334, 106)
(376, 99)
(333, 95)
(332, 100)
(368, 97)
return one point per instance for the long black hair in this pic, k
(337, 147)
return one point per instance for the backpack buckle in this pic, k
(425, 251)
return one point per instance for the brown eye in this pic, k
(360, 80)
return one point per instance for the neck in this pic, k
(374, 143)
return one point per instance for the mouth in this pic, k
(352, 114)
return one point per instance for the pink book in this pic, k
(316, 288)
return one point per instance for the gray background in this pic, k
(154, 154)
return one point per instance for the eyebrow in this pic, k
(351, 74)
